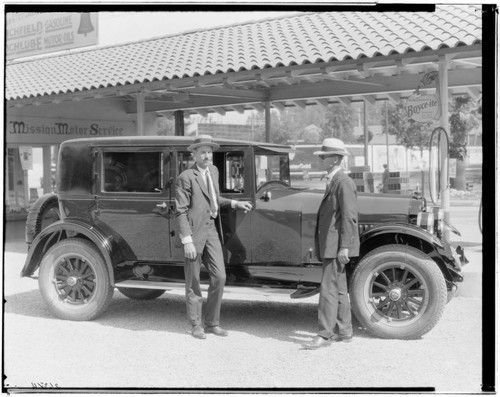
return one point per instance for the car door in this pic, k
(276, 219)
(135, 201)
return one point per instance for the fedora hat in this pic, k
(203, 140)
(332, 146)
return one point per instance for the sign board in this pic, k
(29, 34)
(26, 155)
(422, 108)
(52, 131)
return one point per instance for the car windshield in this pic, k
(271, 167)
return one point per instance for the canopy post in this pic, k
(445, 185)
(179, 122)
(267, 111)
(140, 97)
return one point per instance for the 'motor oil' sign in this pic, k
(422, 108)
(31, 34)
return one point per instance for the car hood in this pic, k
(372, 207)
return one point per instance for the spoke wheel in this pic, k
(398, 292)
(74, 281)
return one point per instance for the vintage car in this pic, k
(112, 225)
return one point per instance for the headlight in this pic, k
(438, 219)
(425, 220)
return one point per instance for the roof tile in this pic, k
(305, 38)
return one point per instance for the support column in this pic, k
(365, 124)
(140, 113)
(179, 123)
(445, 186)
(7, 177)
(47, 168)
(387, 133)
(267, 112)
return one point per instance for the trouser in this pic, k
(214, 262)
(334, 312)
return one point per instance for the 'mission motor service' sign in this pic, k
(422, 108)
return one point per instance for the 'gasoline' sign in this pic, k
(422, 108)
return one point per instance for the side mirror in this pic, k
(266, 196)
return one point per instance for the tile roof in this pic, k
(295, 40)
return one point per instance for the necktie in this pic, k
(211, 194)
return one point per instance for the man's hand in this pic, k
(190, 251)
(343, 256)
(246, 206)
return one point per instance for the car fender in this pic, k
(400, 228)
(112, 247)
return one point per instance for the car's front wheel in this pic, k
(398, 292)
(74, 281)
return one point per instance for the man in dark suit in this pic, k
(198, 202)
(336, 240)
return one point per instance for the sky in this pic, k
(126, 27)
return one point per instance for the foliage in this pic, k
(292, 125)
(410, 133)
(165, 126)
(339, 123)
(462, 121)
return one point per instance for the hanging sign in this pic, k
(422, 108)
(26, 155)
(29, 34)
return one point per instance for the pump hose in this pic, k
(437, 130)
(480, 217)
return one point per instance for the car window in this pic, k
(234, 168)
(185, 160)
(271, 167)
(132, 172)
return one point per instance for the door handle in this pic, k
(162, 205)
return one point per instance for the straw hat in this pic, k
(332, 146)
(203, 140)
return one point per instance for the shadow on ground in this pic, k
(276, 320)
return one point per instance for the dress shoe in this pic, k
(341, 338)
(197, 332)
(216, 330)
(317, 342)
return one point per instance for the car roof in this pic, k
(168, 140)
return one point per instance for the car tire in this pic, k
(74, 281)
(398, 292)
(43, 212)
(141, 294)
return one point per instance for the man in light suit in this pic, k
(198, 203)
(336, 240)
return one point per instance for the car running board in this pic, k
(148, 284)
(304, 292)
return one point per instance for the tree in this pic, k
(165, 126)
(338, 123)
(409, 133)
(462, 121)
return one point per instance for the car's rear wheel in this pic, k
(74, 281)
(141, 294)
(398, 292)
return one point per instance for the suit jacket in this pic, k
(337, 219)
(192, 205)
